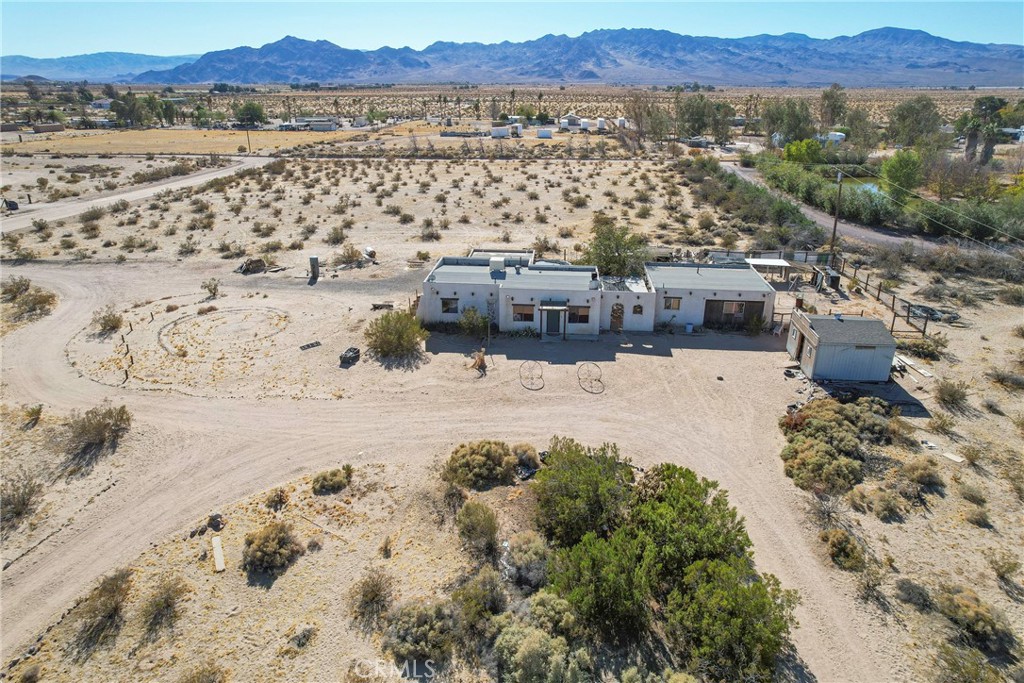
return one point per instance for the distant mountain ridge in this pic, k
(880, 57)
(96, 67)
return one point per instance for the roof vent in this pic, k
(497, 263)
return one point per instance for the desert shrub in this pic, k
(941, 423)
(19, 495)
(951, 395)
(419, 632)
(1005, 565)
(276, 499)
(581, 490)
(975, 618)
(529, 654)
(528, 558)
(91, 215)
(330, 481)
(396, 334)
(271, 549)
(205, 310)
(31, 674)
(14, 287)
(212, 287)
(844, 549)
(726, 623)
(526, 455)
(336, 235)
(978, 516)
(349, 254)
(473, 323)
(964, 665)
(477, 601)
(107, 320)
(96, 430)
(372, 595)
(885, 504)
(478, 528)
(972, 494)
(161, 609)
(1011, 381)
(480, 464)
(825, 437)
(553, 614)
(101, 615)
(32, 414)
(207, 672)
(923, 471)
(913, 594)
(1013, 295)
(973, 454)
(33, 303)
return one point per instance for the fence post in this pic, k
(892, 327)
(924, 330)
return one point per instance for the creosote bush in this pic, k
(844, 549)
(951, 395)
(276, 499)
(330, 481)
(974, 617)
(19, 495)
(162, 608)
(528, 556)
(396, 334)
(480, 464)
(419, 632)
(107, 320)
(96, 430)
(101, 615)
(271, 549)
(478, 600)
(27, 301)
(478, 528)
(207, 672)
(924, 471)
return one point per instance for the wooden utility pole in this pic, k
(835, 221)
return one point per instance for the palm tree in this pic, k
(512, 102)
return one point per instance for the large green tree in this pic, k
(863, 131)
(914, 119)
(251, 113)
(832, 107)
(615, 249)
(789, 117)
(901, 174)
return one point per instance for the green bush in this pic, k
(396, 334)
(553, 614)
(924, 471)
(473, 323)
(480, 464)
(529, 655)
(14, 287)
(725, 622)
(920, 348)
(581, 490)
(478, 528)
(419, 632)
(844, 549)
(607, 582)
(964, 665)
(276, 499)
(330, 481)
(477, 601)
(270, 550)
(528, 558)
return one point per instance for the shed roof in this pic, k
(847, 330)
(702, 276)
(475, 270)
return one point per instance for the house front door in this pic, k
(553, 324)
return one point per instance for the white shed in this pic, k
(544, 133)
(500, 131)
(838, 347)
(585, 124)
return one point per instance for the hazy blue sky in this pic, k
(52, 29)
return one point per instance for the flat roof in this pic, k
(702, 276)
(477, 271)
(851, 330)
(777, 262)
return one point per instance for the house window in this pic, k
(522, 313)
(579, 315)
(449, 305)
(734, 308)
(638, 310)
(672, 303)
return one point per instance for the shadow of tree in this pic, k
(407, 363)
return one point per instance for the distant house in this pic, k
(570, 120)
(841, 348)
(47, 127)
(101, 104)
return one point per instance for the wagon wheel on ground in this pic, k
(531, 375)
(589, 375)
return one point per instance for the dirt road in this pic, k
(187, 456)
(64, 209)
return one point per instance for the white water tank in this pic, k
(602, 124)
(584, 124)
(544, 133)
(499, 132)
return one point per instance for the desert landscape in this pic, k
(235, 446)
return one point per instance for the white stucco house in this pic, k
(562, 301)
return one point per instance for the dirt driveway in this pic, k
(707, 402)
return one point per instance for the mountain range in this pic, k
(97, 67)
(881, 57)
